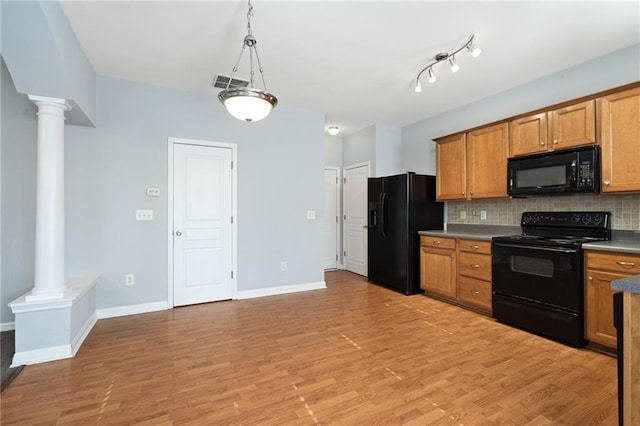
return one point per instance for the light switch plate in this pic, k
(311, 214)
(144, 214)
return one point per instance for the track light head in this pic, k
(432, 76)
(452, 63)
(418, 87)
(473, 49)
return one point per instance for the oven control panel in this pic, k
(567, 219)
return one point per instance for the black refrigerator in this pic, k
(398, 207)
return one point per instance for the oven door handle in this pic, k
(520, 246)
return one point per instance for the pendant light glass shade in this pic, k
(248, 104)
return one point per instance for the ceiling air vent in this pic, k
(221, 81)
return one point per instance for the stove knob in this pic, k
(597, 219)
(535, 218)
(586, 218)
(575, 218)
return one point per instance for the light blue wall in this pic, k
(18, 176)
(615, 69)
(332, 151)
(45, 57)
(388, 150)
(108, 168)
(360, 147)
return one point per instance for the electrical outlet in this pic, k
(153, 192)
(311, 214)
(483, 215)
(283, 266)
(129, 279)
(463, 215)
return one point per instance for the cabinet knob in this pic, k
(471, 192)
(542, 143)
(590, 278)
(451, 256)
(475, 292)
(607, 183)
(476, 266)
(436, 242)
(474, 247)
(462, 192)
(555, 142)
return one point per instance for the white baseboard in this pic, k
(7, 326)
(120, 311)
(272, 291)
(37, 356)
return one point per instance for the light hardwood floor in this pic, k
(353, 354)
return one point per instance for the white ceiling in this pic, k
(355, 61)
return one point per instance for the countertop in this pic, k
(630, 284)
(621, 241)
(474, 232)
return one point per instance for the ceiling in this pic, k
(354, 61)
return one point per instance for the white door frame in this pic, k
(234, 211)
(344, 203)
(338, 171)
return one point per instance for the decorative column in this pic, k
(49, 257)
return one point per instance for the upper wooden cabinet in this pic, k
(473, 165)
(451, 168)
(619, 115)
(569, 126)
(487, 153)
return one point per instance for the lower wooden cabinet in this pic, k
(600, 269)
(438, 266)
(458, 270)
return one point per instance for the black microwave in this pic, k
(561, 172)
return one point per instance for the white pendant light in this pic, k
(248, 103)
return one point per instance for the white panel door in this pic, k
(355, 219)
(331, 218)
(202, 210)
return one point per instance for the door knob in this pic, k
(178, 233)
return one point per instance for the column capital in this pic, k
(45, 100)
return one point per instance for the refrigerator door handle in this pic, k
(383, 211)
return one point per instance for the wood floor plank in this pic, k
(351, 354)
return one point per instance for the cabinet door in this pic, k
(487, 153)
(438, 271)
(475, 292)
(451, 161)
(620, 138)
(528, 135)
(598, 309)
(573, 125)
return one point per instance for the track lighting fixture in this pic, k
(449, 57)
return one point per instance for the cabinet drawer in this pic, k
(475, 265)
(475, 246)
(437, 242)
(475, 292)
(616, 262)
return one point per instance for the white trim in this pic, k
(272, 291)
(7, 326)
(121, 311)
(234, 206)
(37, 356)
(83, 333)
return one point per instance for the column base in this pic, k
(54, 328)
(34, 296)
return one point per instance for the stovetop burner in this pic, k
(566, 229)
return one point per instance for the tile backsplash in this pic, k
(625, 209)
